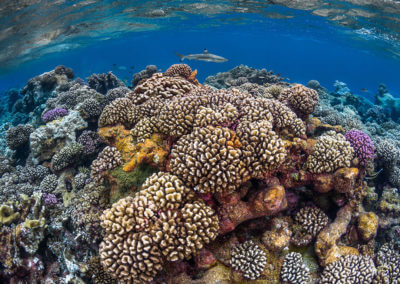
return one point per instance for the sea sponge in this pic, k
(18, 136)
(294, 270)
(166, 191)
(209, 160)
(249, 259)
(133, 259)
(120, 110)
(301, 99)
(159, 86)
(349, 269)
(181, 70)
(262, 149)
(108, 159)
(331, 151)
(362, 145)
(66, 156)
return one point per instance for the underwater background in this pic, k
(268, 154)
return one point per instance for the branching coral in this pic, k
(182, 70)
(249, 259)
(54, 114)
(312, 219)
(331, 152)
(388, 264)
(294, 270)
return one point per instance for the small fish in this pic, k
(132, 67)
(364, 90)
(374, 175)
(123, 68)
(205, 56)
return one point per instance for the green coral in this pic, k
(125, 181)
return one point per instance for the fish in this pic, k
(205, 56)
(364, 90)
(373, 175)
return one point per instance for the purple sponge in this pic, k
(362, 145)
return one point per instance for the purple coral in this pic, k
(49, 198)
(362, 145)
(53, 114)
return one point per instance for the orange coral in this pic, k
(120, 138)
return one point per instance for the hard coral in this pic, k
(54, 114)
(18, 136)
(312, 219)
(331, 152)
(181, 70)
(104, 82)
(67, 156)
(349, 269)
(208, 159)
(362, 145)
(108, 159)
(120, 110)
(159, 86)
(294, 270)
(249, 259)
(301, 99)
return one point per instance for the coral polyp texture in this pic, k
(294, 270)
(249, 259)
(362, 145)
(349, 269)
(331, 151)
(164, 181)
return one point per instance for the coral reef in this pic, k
(178, 182)
(249, 259)
(294, 271)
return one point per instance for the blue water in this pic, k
(300, 48)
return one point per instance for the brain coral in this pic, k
(159, 86)
(362, 145)
(249, 259)
(209, 160)
(349, 269)
(18, 136)
(332, 151)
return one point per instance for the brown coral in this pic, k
(161, 87)
(108, 159)
(209, 160)
(182, 70)
(301, 99)
(121, 110)
(332, 151)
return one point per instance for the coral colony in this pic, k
(242, 178)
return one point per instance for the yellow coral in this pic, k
(367, 225)
(7, 215)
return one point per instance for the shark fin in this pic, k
(205, 51)
(182, 57)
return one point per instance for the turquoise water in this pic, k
(356, 44)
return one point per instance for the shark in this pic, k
(205, 56)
